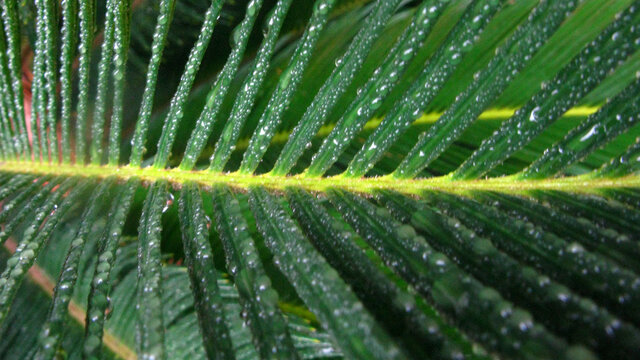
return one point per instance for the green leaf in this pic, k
(258, 298)
(52, 330)
(625, 164)
(30, 310)
(597, 239)
(219, 89)
(251, 85)
(32, 242)
(436, 72)
(203, 275)
(511, 57)
(394, 307)
(318, 284)
(588, 273)
(555, 305)
(157, 47)
(176, 108)
(575, 80)
(11, 31)
(86, 25)
(68, 42)
(21, 197)
(376, 187)
(50, 43)
(611, 120)
(149, 322)
(120, 49)
(106, 60)
(286, 88)
(480, 310)
(98, 297)
(346, 67)
(31, 205)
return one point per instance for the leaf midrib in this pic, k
(509, 184)
(426, 119)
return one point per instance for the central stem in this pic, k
(177, 177)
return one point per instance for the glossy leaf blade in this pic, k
(257, 297)
(318, 284)
(203, 275)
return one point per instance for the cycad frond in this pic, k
(330, 179)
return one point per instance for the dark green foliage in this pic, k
(202, 273)
(504, 222)
(257, 297)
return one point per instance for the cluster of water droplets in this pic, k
(556, 96)
(577, 318)
(318, 284)
(157, 47)
(13, 90)
(32, 204)
(436, 72)
(149, 325)
(597, 277)
(38, 93)
(287, 85)
(245, 99)
(67, 54)
(33, 239)
(104, 67)
(86, 34)
(370, 96)
(20, 200)
(334, 86)
(216, 95)
(202, 273)
(394, 307)
(258, 298)
(480, 310)
(52, 331)
(509, 60)
(618, 115)
(176, 108)
(50, 76)
(98, 301)
(627, 163)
